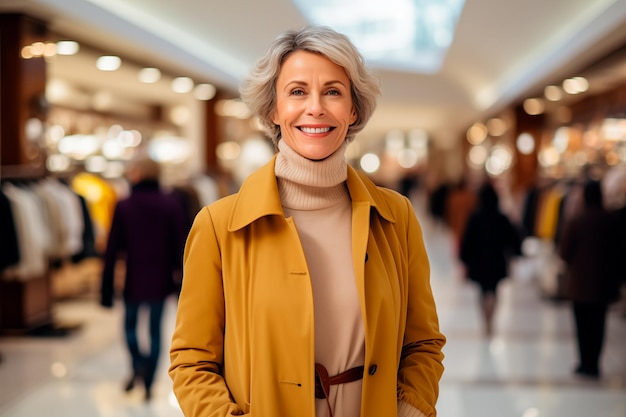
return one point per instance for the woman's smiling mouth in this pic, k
(315, 130)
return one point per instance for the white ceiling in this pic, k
(503, 50)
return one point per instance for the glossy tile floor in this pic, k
(524, 370)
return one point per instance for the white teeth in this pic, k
(315, 129)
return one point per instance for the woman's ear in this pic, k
(353, 117)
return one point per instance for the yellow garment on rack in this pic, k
(101, 199)
(549, 214)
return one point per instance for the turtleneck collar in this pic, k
(304, 184)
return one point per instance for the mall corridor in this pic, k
(525, 370)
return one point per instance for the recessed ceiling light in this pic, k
(108, 63)
(204, 91)
(553, 93)
(182, 85)
(67, 47)
(533, 106)
(575, 85)
(149, 75)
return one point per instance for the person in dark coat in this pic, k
(621, 219)
(147, 232)
(488, 242)
(590, 248)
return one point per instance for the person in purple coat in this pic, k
(147, 233)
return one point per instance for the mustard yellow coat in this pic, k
(243, 342)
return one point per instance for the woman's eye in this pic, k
(297, 92)
(333, 92)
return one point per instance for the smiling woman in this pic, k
(308, 292)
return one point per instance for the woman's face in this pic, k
(313, 104)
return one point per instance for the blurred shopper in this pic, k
(147, 234)
(621, 217)
(488, 243)
(437, 203)
(460, 203)
(590, 248)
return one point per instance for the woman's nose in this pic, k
(315, 105)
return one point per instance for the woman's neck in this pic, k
(309, 185)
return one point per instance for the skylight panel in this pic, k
(408, 35)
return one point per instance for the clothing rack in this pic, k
(26, 307)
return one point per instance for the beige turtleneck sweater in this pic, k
(314, 194)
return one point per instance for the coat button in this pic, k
(372, 369)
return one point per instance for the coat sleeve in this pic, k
(197, 349)
(421, 361)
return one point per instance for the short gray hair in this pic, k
(258, 91)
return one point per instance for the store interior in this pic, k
(531, 96)
(79, 104)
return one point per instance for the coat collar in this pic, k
(259, 197)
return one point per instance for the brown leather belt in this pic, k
(323, 381)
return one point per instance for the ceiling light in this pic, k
(533, 106)
(26, 52)
(553, 93)
(575, 85)
(108, 63)
(49, 50)
(182, 85)
(477, 133)
(149, 75)
(67, 47)
(525, 143)
(581, 84)
(37, 48)
(204, 91)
